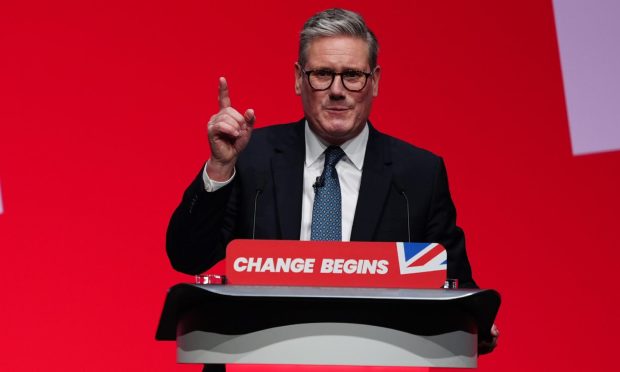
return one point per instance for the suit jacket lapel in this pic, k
(288, 171)
(374, 188)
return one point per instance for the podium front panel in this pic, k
(327, 325)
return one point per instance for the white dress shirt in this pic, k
(349, 170)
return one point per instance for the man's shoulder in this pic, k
(400, 151)
(410, 164)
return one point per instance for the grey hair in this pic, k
(337, 22)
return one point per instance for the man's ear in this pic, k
(298, 78)
(375, 81)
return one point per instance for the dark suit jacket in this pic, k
(204, 223)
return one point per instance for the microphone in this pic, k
(319, 182)
(260, 186)
(401, 189)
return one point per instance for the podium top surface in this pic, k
(339, 292)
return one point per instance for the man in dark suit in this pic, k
(278, 184)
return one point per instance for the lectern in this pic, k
(223, 324)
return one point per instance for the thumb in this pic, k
(249, 117)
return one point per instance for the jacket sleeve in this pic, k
(201, 227)
(441, 227)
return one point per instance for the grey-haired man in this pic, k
(262, 184)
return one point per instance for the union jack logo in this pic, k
(416, 258)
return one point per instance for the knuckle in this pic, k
(226, 120)
(213, 128)
(231, 112)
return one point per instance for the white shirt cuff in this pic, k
(211, 185)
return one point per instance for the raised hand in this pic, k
(229, 132)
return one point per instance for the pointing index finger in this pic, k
(223, 96)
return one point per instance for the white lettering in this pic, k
(268, 266)
(254, 264)
(240, 264)
(306, 265)
(327, 265)
(338, 264)
(309, 267)
(283, 266)
(383, 267)
(271, 265)
(352, 266)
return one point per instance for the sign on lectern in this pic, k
(336, 264)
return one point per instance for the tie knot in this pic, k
(333, 154)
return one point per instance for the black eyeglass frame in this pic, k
(334, 74)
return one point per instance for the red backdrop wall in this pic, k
(103, 106)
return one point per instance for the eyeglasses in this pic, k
(352, 80)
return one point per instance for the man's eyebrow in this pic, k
(321, 68)
(336, 70)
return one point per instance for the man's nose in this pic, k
(337, 90)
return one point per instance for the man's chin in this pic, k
(337, 124)
(337, 134)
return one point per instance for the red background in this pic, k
(103, 106)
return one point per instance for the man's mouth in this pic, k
(337, 108)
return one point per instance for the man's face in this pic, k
(337, 114)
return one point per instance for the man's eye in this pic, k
(352, 74)
(323, 73)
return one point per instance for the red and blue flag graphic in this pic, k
(414, 258)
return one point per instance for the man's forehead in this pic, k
(340, 50)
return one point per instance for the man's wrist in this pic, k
(219, 172)
(211, 185)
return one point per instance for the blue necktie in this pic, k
(327, 209)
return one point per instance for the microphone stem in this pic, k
(258, 192)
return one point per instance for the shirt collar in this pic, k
(354, 149)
